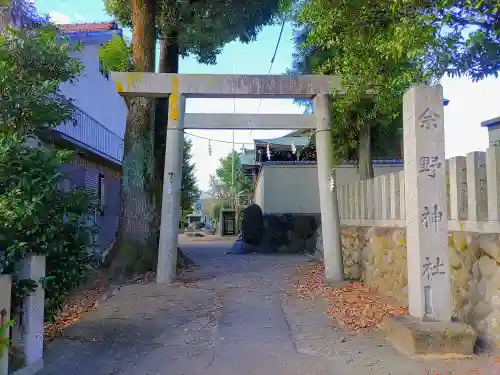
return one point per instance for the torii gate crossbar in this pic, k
(180, 86)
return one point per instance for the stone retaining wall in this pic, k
(377, 256)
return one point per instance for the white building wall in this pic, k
(294, 188)
(290, 189)
(494, 134)
(96, 95)
(259, 189)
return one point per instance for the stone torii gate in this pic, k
(181, 86)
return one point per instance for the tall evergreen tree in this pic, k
(189, 188)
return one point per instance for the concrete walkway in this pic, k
(230, 316)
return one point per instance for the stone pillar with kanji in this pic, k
(428, 330)
(426, 205)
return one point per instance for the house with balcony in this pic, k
(97, 128)
(95, 132)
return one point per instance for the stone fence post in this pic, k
(29, 333)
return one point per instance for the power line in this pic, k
(274, 55)
(217, 140)
(260, 102)
(220, 140)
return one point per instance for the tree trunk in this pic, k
(365, 161)
(169, 63)
(134, 251)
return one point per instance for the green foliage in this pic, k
(385, 46)
(224, 173)
(203, 28)
(189, 188)
(5, 336)
(332, 42)
(115, 55)
(455, 37)
(32, 67)
(35, 216)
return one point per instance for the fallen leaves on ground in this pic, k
(354, 306)
(75, 307)
(89, 298)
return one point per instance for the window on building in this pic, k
(65, 185)
(101, 194)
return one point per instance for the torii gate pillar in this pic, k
(172, 182)
(330, 222)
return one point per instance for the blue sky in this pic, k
(470, 103)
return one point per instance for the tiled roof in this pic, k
(380, 161)
(88, 27)
(491, 122)
(284, 141)
(289, 162)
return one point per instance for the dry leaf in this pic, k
(354, 306)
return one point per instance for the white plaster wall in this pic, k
(96, 95)
(294, 188)
(259, 190)
(289, 189)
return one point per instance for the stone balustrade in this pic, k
(472, 191)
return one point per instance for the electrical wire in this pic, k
(274, 55)
(215, 140)
(229, 142)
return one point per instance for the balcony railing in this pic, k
(91, 133)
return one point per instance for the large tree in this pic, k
(199, 28)
(330, 43)
(384, 46)
(455, 37)
(115, 56)
(135, 246)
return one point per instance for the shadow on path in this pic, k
(232, 318)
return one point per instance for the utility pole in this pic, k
(233, 164)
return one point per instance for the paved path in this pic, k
(232, 317)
